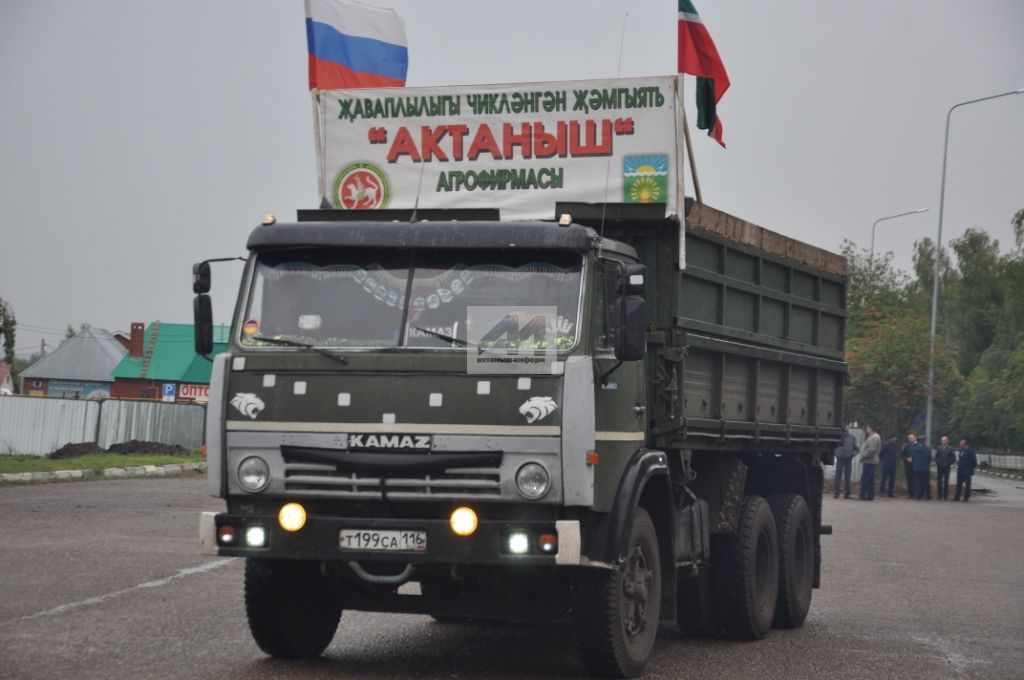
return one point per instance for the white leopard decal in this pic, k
(537, 408)
(248, 404)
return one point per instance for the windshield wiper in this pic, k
(447, 338)
(301, 345)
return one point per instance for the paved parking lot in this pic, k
(103, 579)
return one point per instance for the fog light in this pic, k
(548, 543)
(532, 480)
(292, 517)
(464, 521)
(255, 537)
(518, 544)
(226, 535)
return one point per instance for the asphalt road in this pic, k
(103, 580)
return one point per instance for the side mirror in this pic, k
(631, 331)
(202, 311)
(201, 278)
(631, 339)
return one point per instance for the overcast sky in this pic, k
(137, 137)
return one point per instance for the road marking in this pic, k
(189, 571)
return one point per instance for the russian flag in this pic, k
(353, 45)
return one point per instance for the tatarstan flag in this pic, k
(698, 57)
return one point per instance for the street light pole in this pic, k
(938, 260)
(871, 259)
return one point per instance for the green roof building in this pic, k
(167, 357)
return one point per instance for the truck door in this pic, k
(619, 393)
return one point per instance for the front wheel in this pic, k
(617, 612)
(291, 610)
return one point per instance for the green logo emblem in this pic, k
(645, 179)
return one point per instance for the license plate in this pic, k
(397, 540)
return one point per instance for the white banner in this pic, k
(520, 148)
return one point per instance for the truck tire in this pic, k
(746, 572)
(617, 612)
(291, 610)
(695, 604)
(796, 559)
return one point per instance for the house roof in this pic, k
(169, 354)
(89, 355)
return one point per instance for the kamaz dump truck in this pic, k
(613, 406)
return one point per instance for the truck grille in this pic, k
(314, 479)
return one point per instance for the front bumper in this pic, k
(319, 540)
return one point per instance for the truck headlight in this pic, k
(532, 480)
(253, 474)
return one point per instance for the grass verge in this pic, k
(92, 461)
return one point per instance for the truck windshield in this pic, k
(367, 298)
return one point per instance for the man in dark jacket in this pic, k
(945, 456)
(908, 463)
(844, 454)
(887, 460)
(921, 462)
(967, 461)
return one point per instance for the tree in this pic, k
(887, 343)
(8, 328)
(974, 297)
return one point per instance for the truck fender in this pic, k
(646, 467)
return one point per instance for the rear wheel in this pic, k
(796, 559)
(291, 610)
(746, 572)
(618, 611)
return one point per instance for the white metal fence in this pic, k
(39, 426)
(1008, 461)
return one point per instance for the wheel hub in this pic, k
(636, 587)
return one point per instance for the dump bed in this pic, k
(748, 327)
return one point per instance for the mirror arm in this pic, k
(604, 376)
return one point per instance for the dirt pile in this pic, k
(133, 446)
(76, 450)
(136, 446)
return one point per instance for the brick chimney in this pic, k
(133, 343)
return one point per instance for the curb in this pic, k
(1000, 474)
(114, 473)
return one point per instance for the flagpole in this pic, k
(321, 150)
(689, 151)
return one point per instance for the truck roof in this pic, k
(426, 234)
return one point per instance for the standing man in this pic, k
(887, 459)
(965, 465)
(921, 461)
(844, 454)
(945, 456)
(868, 460)
(908, 463)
